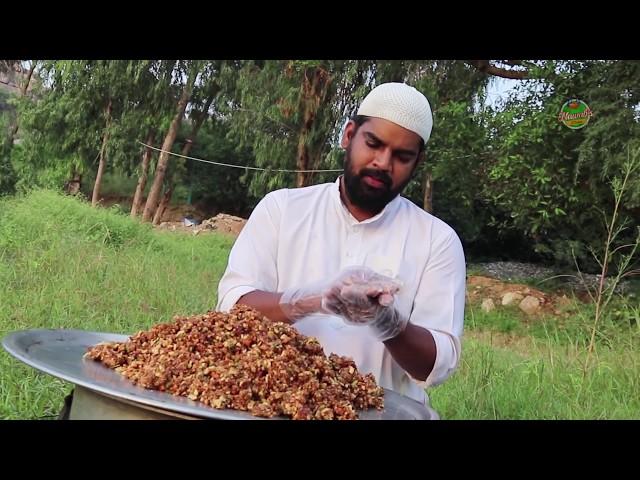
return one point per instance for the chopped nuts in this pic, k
(243, 361)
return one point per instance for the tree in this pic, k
(191, 71)
(73, 114)
(7, 173)
(24, 88)
(289, 113)
(152, 114)
(201, 102)
(491, 68)
(136, 204)
(454, 153)
(545, 181)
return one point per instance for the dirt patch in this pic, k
(225, 223)
(172, 214)
(221, 223)
(175, 213)
(498, 293)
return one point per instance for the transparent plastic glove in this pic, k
(324, 296)
(388, 324)
(299, 302)
(366, 298)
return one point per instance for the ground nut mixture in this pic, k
(241, 360)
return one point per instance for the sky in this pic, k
(499, 89)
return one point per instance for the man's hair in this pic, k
(360, 120)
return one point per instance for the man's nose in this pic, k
(382, 160)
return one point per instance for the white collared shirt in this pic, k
(298, 236)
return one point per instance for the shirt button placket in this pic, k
(351, 243)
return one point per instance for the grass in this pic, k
(538, 380)
(65, 264)
(515, 367)
(619, 329)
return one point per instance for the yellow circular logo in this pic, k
(575, 114)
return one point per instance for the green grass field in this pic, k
(64, 264)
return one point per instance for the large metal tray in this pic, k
(60, 353)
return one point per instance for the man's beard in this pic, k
(365, 197)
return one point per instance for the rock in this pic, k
(488, 305)
(511, 297)
(530, 305)
(224, 223)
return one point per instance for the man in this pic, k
(365, 271)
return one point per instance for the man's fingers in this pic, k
(373, 290)
(385, 299)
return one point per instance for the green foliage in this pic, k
(7, 173)
(457, 149)
(283, 105)
(64, 122)
(226, 188)
(513, 181)
(549, 183)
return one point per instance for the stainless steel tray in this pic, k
(60, 353)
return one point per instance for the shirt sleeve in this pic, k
(439, 305)
(252, 261)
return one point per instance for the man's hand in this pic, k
(360, 295)
(356, 294)
(364, 297)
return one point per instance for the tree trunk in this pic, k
(154, 193)
(166, 198)
(103, 158)
(142, 180)
(428, 192)
(302, 161)
(199, 118)
(314, 91)
(25, 86)
(23, 91)
(72, 186)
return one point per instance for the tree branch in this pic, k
(486, 67)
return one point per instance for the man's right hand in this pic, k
(354, 294)
(361, 295)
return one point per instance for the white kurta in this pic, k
(303, 235)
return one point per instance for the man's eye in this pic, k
(373, 144)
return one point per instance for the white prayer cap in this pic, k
(401, 104)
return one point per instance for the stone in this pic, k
(510, 298)
(488, 305)
(530, 305)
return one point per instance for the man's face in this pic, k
(380, 158)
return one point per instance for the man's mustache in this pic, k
(377, 174)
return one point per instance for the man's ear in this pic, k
(348, 134)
